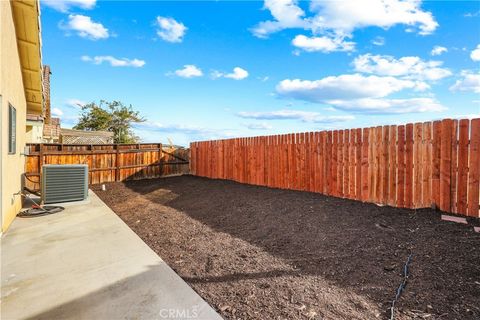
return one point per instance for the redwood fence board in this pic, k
(400, 167)
(378, 165)
(453, 167)
(345, 174)
(427, 199)
(474, 169)
(409, 166)
(364, 174)
(392, 157)
(371, 165)
(351, 165)
(415, 165)
(445, 164)
(437, 129)
(341, 163)
(462, 166)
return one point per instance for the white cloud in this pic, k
(360, 93)
(343, 17)
(322, 44)
(438, 50)
(407, 67)
(68, 121)
(475, 54)
(215, 74)
(85, 27)
(470, 82)
(193, 132)
(305, 116)
(172, 128)
(188, 71)
(65, 5)
(345, 87)
(472, 14)
(75, 103)
(170, 30)
(237, 74)
(287, 14)
(115, 62)
(56, 112)
(388, 106)
(258, 126)
(378, 41)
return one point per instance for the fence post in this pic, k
(40, 164)
(117, 169)
(160, 166)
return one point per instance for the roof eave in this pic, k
(26, 16)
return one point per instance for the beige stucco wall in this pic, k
(11, 91)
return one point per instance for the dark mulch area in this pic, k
(260, 253)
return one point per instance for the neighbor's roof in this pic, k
(82, 133)
(26, 16)
(70, 136)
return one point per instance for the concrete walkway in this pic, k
(85, 263)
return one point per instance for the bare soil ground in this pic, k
(260, 253)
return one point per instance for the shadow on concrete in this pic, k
(135, 297)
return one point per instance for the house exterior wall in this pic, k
(12, 92)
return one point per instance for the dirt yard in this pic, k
(259, 253)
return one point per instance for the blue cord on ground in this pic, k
(401, 287)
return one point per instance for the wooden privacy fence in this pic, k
(108, 162)
(412, 166)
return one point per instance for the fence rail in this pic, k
(108, 162)
(413, 166)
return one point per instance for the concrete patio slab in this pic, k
(85, 263)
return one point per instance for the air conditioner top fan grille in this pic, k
(64, 183)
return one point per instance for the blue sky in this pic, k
(216, 69)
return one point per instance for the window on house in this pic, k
(12, 129)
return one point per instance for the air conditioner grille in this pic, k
(64, 183)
